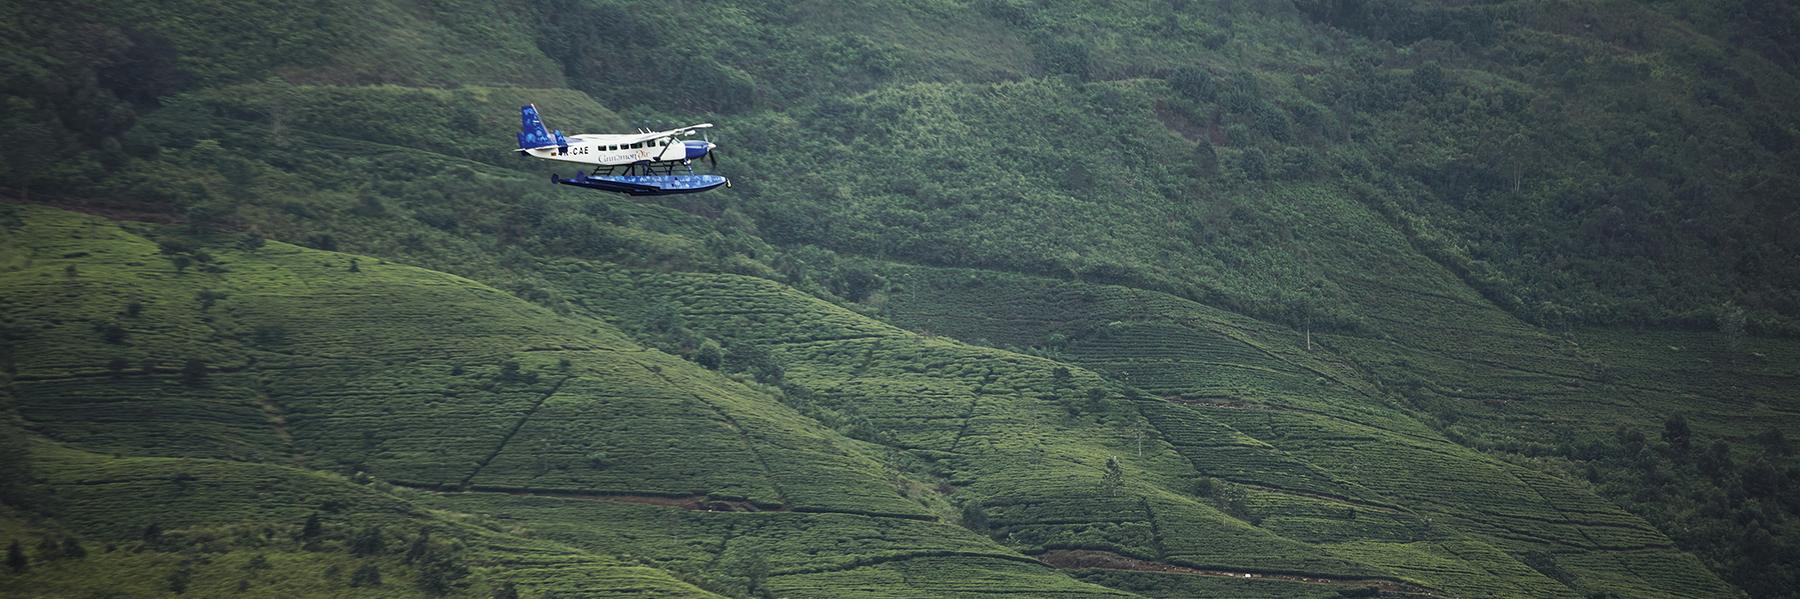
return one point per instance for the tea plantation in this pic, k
(1153, 298)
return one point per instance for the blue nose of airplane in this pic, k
(696, 149)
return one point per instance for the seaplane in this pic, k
(640, 164)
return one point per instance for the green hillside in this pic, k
(1128, 298)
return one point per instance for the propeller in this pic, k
(712, 151)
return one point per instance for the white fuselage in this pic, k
(607, 150)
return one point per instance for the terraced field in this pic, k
(1312, 462)
(393, 375)
(870, 461)
(1156, 298)
(1312, 426)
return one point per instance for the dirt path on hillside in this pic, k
(1084, 558)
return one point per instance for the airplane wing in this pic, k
(661, 134)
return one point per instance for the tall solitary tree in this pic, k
(1114, 479)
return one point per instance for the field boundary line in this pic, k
(743, 435)
(519, 424)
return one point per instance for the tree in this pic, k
(179, 579)
(1631, 441)
(857, 284)
(1096, 400)
(1676, 433)
(1731, 325)
(1760, 478)
(15, 557)
(368, 542)
(439, 574)
(71, 547)
(1716, 462)
(1114, 479)
(313, 528)
(153, 534)
(1195, 83)
(1431, 79)
(1773, 442)
(193, 372)
(710, 355)
(110, 332)
(974, 517)
(506, 590)
(15, 465)
(1205, 486)
(421, 547)
(754, 359)
(47, 548)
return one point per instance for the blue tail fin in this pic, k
(532, 133)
